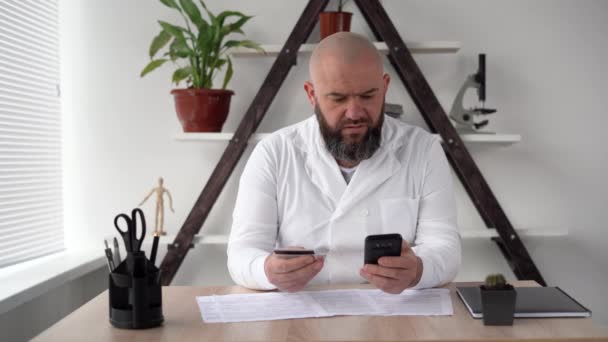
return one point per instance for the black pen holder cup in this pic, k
(135, 294)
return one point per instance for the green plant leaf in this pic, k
(236, 31)
(192, 11)
(203, 25)
(232, 43)
(205, 40)
(173, 30)
(211, 16)
(202, 33)
(179, 48)
(181, 74)
(151, 66)
(229, 72)
(244, 43)
(170, 55)
(252, 45)
(236, 26)
(227, 14)
(170, 3)
(220, 63)
(159, 42)
(204, 51)
(196, 78)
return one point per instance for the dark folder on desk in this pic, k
(530, 302)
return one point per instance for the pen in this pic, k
(154, 248)
(116, 252)
(109, 256)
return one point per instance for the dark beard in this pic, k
(350, 152)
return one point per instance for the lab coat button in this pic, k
(364, 212)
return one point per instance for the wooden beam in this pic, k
(458, 155)
(287, 58)
(422, 95)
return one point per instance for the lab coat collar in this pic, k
(324, 171)
(321, 166)
(372, 172)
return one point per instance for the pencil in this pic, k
(116, 252)
(154, 248)
(109, 257)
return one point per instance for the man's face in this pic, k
(350, 148)
(349, 103)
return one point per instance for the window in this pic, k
(31, 207)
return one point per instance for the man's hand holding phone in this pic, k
(393, 274)
(292, 268)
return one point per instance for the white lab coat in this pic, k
(292, 193)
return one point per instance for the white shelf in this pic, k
(211, 239)
(500, 139)
(414, 47)
(222, 239)
(490, 233)
(215, 136)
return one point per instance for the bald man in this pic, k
(345, 173)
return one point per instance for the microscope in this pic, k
(464, 118)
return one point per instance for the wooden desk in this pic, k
(183, 323)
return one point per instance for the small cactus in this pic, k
(495, 282)
(341, 4)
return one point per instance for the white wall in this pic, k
(546, 69)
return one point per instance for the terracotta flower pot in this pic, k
(332, 22)
(202, 110)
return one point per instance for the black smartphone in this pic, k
(377, 246)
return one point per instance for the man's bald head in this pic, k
(346, 49)
(346, 89)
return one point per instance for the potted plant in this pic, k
(335, 21)
(202, 46)
(497, 301)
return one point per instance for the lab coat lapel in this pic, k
(370, 174)
(323, 169)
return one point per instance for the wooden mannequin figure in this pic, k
(159, 216)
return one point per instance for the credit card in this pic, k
(289, 253)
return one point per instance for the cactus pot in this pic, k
(498, 306)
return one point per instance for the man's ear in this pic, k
(310, 92)
(387, 80)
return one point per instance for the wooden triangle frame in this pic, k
(425, 100)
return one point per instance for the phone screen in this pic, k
(377, 246)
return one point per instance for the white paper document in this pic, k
(279, 305)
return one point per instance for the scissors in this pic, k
(132, 242)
